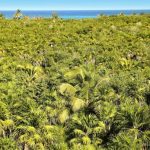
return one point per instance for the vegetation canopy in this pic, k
(75, 84)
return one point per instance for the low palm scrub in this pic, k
(75, 84)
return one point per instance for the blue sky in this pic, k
(73, 4)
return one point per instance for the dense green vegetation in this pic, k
(75, 84)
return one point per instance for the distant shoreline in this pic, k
(73, 14)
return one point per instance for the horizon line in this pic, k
(68, 9)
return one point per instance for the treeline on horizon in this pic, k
(75, 84)
(19, 15)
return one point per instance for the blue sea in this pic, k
(73, 14)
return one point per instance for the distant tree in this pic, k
(121, 14)
(1, 16)
(100, 15)
(18, 14)
(54, 15)
(142, 13)
(134, 13)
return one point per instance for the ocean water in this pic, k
(74, 14)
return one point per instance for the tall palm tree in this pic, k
(18, 14)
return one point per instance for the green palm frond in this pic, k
(39, 146)
(64, 115)
(100, 128)
(67, 89)
(48, 128)
(74, 141)
(7, 124)
(49, 136)
(4, 113)
(77, 71)
(128, 140)
(37, 137)
(30, 129)
(86, 140)
(77, 104)
(79, 132)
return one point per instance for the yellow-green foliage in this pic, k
(67, 89)
(77, 104)
(75, 84)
